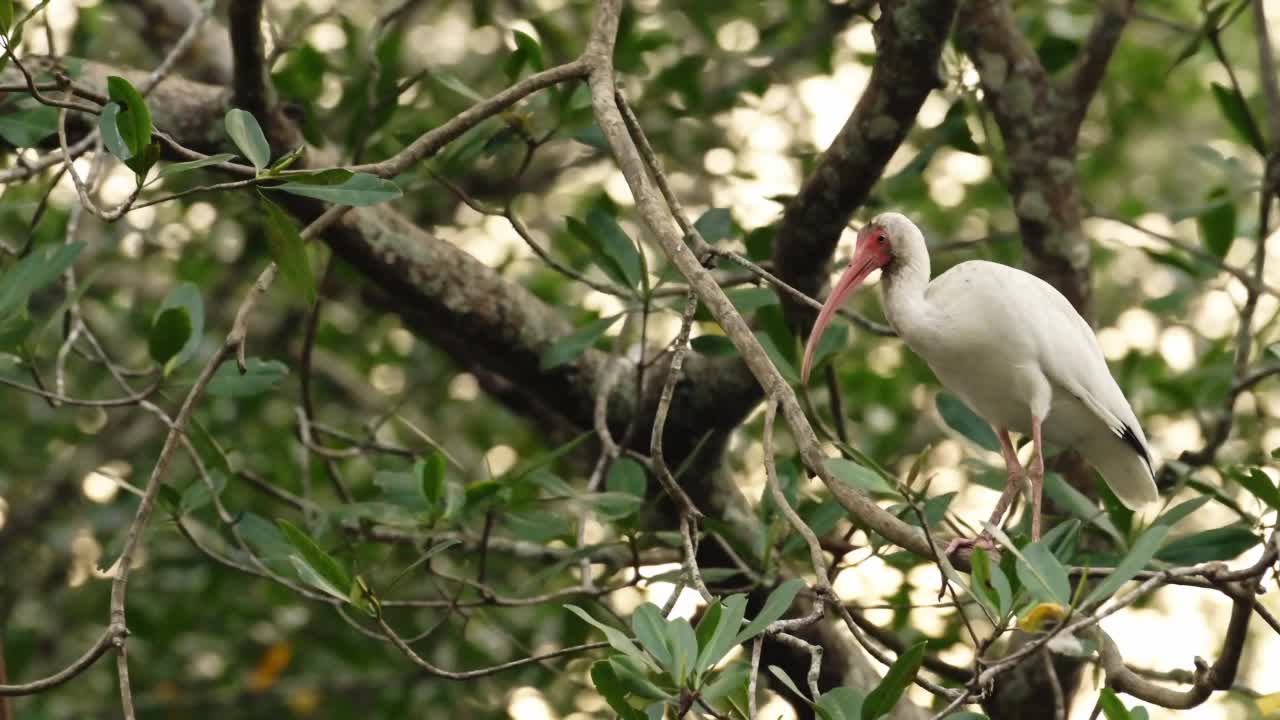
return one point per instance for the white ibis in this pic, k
(1013, 348)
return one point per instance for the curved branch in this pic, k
(109, 639)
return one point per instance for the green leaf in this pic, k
(144, 160)
(6, 16)
(1112, 708)
(1236, 111)
(1217, 223)
(632, 674)
(26, 127)
(1257, 482)
(1181, 510)
(650, 629)
(342, 187)
(617, 639)
(1077, 503)
(724, 636)
(1144, 548)
(178, 168)
(185, 297)
(244, 131)
(833, 341)
(897, 679)
(962, 419)
(748, 300)
(715, 225)
(684, 649)
(842, 703)
(431, 478)
(288, 250)
(786, 680)
(626, 478)
(1038, 569)
(134, 119)
(325, 572)
(261, 376)
(198, 494)
(454, 83)
(575, 343)
(611, 689)
(1222, 543)
(780, 361)
(170, 331)
(775, 606)
(614, 243)
(863, 478)
(109, 126)
(39, 268)
(988, 578)
(714, 345)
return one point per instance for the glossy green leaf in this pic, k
(198, 494)
(431, 480)
(109, 126)
(724, 636)
(842, 703)
(632, 673)
(575, 343)
(786, 680)
(325, 572)
(454, 83)
(184, 167)
(612, 690)
(246, 133)
(38, 269)
(262, 376)
(1224, 543)
(650, 629)
(962, 419)
(618, 640)
(134, 119)
(1077, 503)
(170, 331)
(27, 127)
(775, 606)
(1180, 511)
(780, 361)
(990, 584)
(1257, 482)
(1143, 550)
(715, 225)
(1236, 111)
(684, 649)
(613, 241)
(1039, 570)
(897, 679)
(863, 478)
(288, 250)
(342, 188)
(186, 297)
(1112, 708)
(1217, 223)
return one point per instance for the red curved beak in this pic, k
(863, 262)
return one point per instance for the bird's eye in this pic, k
(880, 238)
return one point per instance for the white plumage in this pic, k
(1013, 348)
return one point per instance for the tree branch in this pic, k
(1085, 75)
(248, 50)
(910, 37)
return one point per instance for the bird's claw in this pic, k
(961, 549)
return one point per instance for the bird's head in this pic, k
(886, 237)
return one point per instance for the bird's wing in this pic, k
(1073, 361)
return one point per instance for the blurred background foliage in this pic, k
(738, 98)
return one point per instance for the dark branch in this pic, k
(910, 36)
(248, 49)
(1085, 75)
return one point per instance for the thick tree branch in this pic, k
(1085, 75)
(248, 49)
(910, 36)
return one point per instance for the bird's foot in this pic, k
(961, 549)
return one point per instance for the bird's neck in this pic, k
(902, 290)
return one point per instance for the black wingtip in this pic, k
(1130, 438)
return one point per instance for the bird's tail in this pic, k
(1127, 473)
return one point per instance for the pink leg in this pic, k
(1016, 476)
(1036, 474)
(1011, 488)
